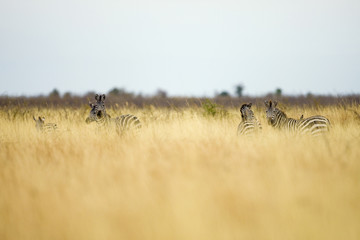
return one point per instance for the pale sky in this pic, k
(188, 48)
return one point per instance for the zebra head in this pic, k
(98, 110)
(271, 111)
(246, 112)
(39, 123)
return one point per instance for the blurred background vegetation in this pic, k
(120, 97)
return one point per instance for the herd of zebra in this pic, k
(249, 124)
(123, 124)
(314, 125)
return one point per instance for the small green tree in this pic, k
(223, 94)
(54, 93)
(116, 91)
(212, 109)
(239, 90)
(209, 108)
(278, 92)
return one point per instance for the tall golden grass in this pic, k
(186, 176)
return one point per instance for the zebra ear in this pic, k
(275, 103)
(250, 104)
(266, 103)
(97, 97)
(103, 97)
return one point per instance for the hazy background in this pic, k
(187, 48)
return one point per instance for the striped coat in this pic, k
(314, 125)
(43, 127)
(123, 124)
(249, 125)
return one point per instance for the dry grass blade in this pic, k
(186, 176)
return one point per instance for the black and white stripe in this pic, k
(249, 125)
(43, 127)
(127, 122)
(123, 124)
(314, 125)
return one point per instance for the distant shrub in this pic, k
(278, 92)
(67, 95)
(161, 94)
(121, 92)
(54, 94)
(223, 94)
(212, 109)
(209, 108)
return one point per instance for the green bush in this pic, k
(212, 109)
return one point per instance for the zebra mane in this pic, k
(281, 112)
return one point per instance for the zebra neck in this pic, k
(103, 121)
(248, 118)
(280, 119)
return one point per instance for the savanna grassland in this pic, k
(186, 176)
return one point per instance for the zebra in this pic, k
(314, 125)
(123, 123)
(41, 126)
(249, 124)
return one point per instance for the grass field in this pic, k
(186, 176)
